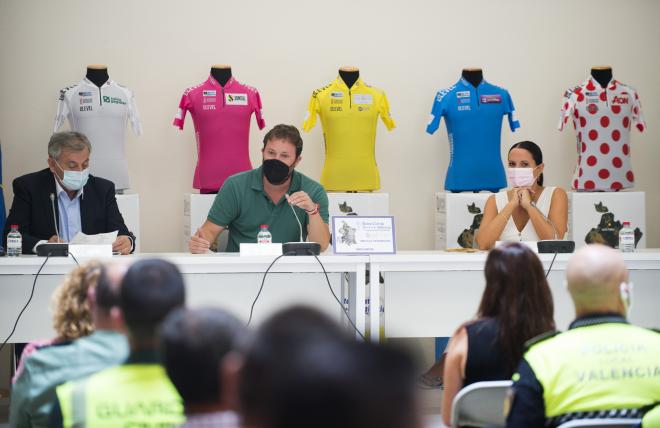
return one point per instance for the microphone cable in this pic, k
(551, 263)
(334, 295)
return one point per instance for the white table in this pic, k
(225, 280)
(429, 294)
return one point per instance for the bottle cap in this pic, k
(626, 223)
(264, 226)
(14, 226)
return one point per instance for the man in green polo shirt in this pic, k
(265, 195)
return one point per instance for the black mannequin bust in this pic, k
(473, 75)
(221, 73)
(349, 76)
(602, 75)
(98, 75)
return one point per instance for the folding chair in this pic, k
(481, 404)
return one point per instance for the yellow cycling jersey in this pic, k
(349, 118)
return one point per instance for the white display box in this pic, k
(195, 211)
(457, 216)
(598, 216)
(129, 207)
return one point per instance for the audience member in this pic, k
(302, 371)
(83, 303)
(602, 366)
(138, 392)
(516, 306)
(201, 356)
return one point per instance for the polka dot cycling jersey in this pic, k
(602, 118)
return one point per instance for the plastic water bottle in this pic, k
(264, 236)
(626, 238)
(14, 242)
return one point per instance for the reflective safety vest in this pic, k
(130, 395)
(612, 369)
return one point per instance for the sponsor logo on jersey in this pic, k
(620, 100)
(491, 99)
(593, 100)
(236, 99)
(336, 101)
(85, 94)
(209, 93)
(209, 99)
(591, 93)
(464, 100)
(336, 95)
(592, 108)
(85, 108)
(208, 107)
(86, 100)
(363, 99)
(463, 108)
(113, 100)
(463, 94)
(336, 108)
(361, 108)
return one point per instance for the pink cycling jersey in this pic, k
(221, 115)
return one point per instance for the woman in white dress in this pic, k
(527, 211)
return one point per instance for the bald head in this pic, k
(594, 274)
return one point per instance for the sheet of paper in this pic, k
(98, 239)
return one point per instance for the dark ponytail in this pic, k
(536, 153)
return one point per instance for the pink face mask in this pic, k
(520, 177)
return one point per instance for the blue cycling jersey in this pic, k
(473, 117)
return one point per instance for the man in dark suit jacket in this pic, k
(66, 191)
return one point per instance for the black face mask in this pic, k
(276, 171)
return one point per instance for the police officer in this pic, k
(138, 392)
(602, 366)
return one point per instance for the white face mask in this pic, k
(520, 177)
(74, 180)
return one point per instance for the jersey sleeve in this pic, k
(638, 118)
(258, 114)
(567, 106)
(62, 110)
(313, 110)
(437, 111)
(133, 115)
(511, 113)
(384, 110)
(184, 106)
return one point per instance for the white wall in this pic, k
(286, 49)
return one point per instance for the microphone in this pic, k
(53, 249)
(553, 245)
(52, 204)
(300, 248)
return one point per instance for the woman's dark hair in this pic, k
(518, 297)
(536, 153)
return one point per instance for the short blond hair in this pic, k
(72, 316)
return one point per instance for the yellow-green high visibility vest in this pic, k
(601, 367)
(131, 395)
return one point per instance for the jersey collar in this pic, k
(596, 319)
(467, 84)
(90, 83)
(592, 83)
(340, 82)
(229, 83)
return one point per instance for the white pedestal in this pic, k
(129, 207)
(456, 218)
(363, 204)
(195, 211)
(598, 216)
